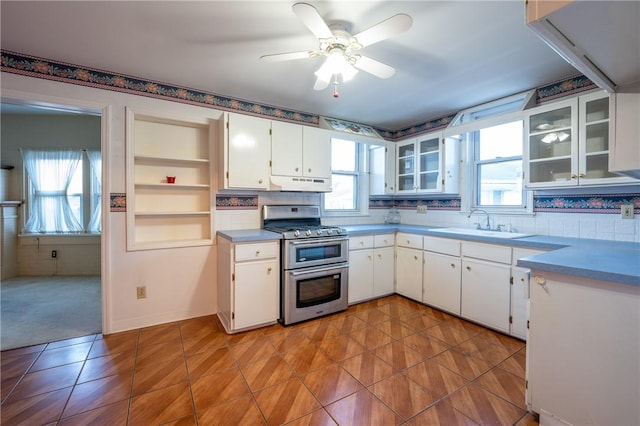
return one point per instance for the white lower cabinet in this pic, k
(371, 267)
(409, 273)
(248, 284)
(441, 282)
(441, 274)
(485, 293)
(383, 271)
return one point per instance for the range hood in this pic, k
(300, 184)
(601, 39)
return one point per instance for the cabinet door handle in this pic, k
(415, 257)
(573, 176)
(257, 252)
(581, 175)
(379, 256)
(453, 265)
(259, 180)
(369, 257)
(269, 270)
(309, 170)
(468, 268)
(297, 168)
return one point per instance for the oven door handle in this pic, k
(315, 241)
(315, 270)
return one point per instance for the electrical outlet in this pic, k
(54, 254)
(421, 209)
(141, 292)
(626, 211)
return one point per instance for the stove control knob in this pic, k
(319, 231)
(296, 233)
(329, 232)
(308, 232)
(339, 231)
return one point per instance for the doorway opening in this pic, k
(50, 273)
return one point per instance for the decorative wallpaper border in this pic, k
(32, 66)
(236, 202)
(563, 88)
(591, 203)
(411, 203)
(118, 202)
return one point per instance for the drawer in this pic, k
(519, 253)
(257, 251)
(384, 240)
(493, 253)
(359, 242)
(442, 245)
(409, 240)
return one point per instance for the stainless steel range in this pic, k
(314, 263)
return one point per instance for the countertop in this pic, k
(248, 235)
(604, 260)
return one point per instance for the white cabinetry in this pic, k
(371, 266)
(568, 143)
(583, 351)
(383, 265)
(160, 213)
(409, 266)
(624, 145)
(520, 293)
(245, 152)
(441, 274)
(300, 151)
(427, 165)
(486, 273)
(382, 169)
(248, 284)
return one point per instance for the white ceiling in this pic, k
(456, 55)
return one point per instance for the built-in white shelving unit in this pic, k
(162, 214)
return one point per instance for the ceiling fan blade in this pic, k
(388, 28)
(374, 67)
(320, 84)
(312, 19)
(279, 57)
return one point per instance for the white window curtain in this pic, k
(95, 161)
(50, 172)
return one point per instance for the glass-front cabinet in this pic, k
(420, 164)
(568, 143)
(553, 145)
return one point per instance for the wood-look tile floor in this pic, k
(389, 361)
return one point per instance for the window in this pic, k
(346, 160)
(63, 191)
(497, 166)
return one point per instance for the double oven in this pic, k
(314, 263)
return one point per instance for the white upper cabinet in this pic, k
(624, 144)
(568, 143)
(246, 152)
(286, 149)
(316, 153)
(382, 169)
(300, 158)
(427, 165)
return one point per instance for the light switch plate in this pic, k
(626, 211)
(421, 209)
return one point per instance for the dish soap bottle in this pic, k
(394, 215)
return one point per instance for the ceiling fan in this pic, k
(341, 48)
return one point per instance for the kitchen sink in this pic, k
(480, 233)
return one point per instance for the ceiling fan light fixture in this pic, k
(336, 63)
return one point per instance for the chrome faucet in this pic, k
(480, 211)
